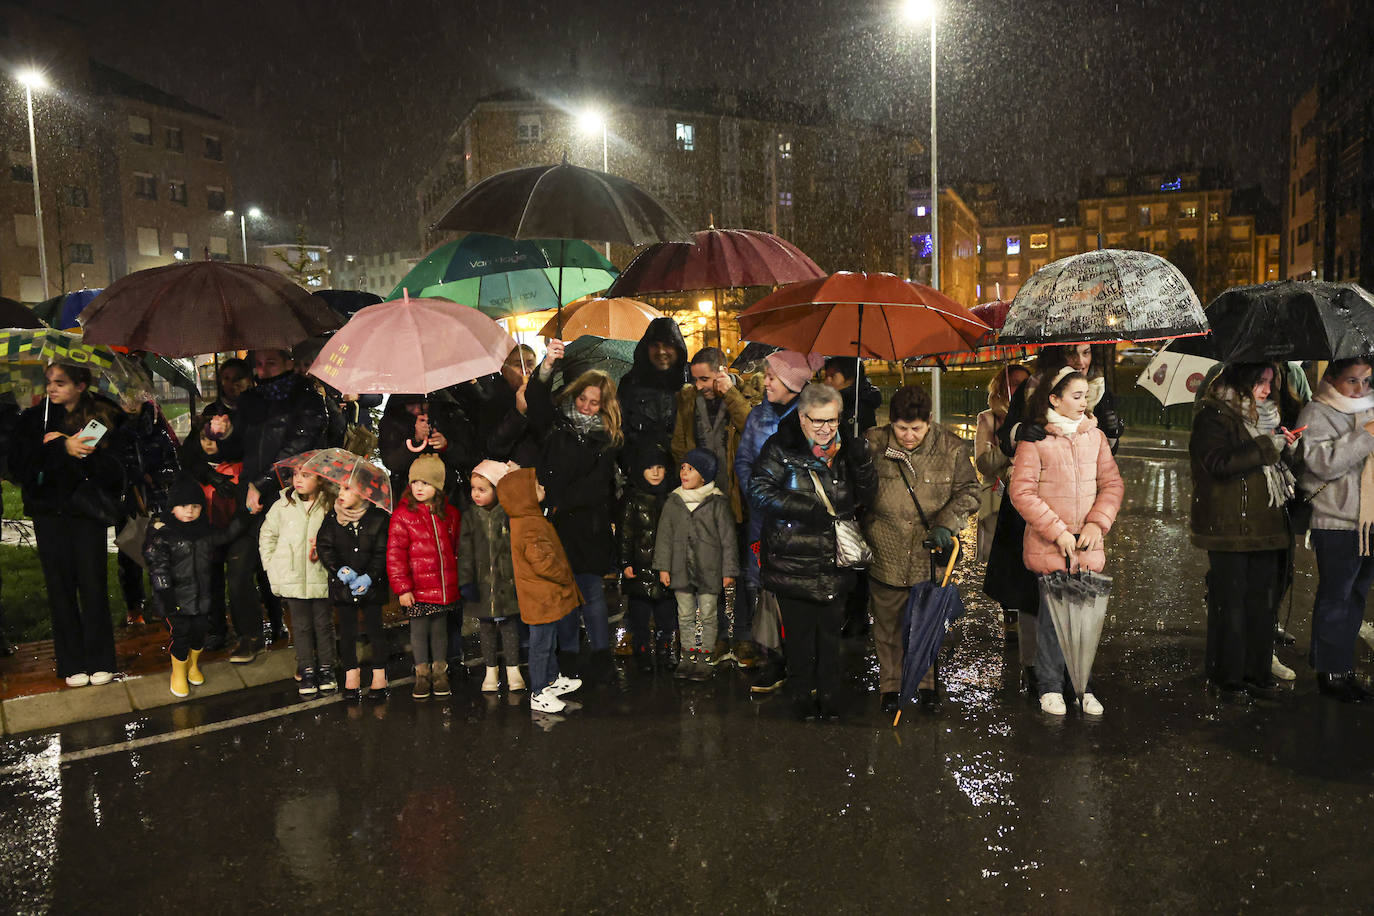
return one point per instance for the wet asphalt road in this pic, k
(665, 798)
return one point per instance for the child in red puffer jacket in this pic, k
(422, 568)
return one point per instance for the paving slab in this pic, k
(62, 707)
(269, 667)
(152, 690)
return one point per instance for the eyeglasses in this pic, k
(832, 423)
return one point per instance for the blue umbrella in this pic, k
(61, 311)
(930, 612)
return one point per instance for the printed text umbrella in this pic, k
(413, 346)
(205, 307)
(1077, 603)
(1174, 378)
(1103, 295)
(618, 319)
(931, 609)
(1287, 320)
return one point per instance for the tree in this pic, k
(303, 269)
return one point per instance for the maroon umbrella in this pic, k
(715, 259)
(205, 307)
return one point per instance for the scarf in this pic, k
(826, 453)
(277, 388)
(1277, 477)
(1097, 387)
(1056, 420)
(352, 516)
(1267, 418)
(583, 424)
(1362, 409)
(694, 498)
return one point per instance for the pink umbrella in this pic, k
(412, 346)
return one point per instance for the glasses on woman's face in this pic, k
(827, 423)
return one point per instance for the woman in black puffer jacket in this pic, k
(798, 548)
(648, 488)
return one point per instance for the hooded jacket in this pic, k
(798, 549)
(484, 560)
(1335, 447)
(181, 560)
(422, 552)
(639, 517)
(543, 578)
(281, 417)
(648, 396)
(1062, 483)
(286, 542)
(360, 547)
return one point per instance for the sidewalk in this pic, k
(33, 697)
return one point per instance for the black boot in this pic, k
(600, 667)
(568, 664)
(644, 658)
(1028, 678)
(1339, 687)
(665, 659)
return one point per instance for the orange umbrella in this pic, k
(614, 319)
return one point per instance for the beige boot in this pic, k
(492, 682)
(441, 679)
(513, 679)
(421, 689)
(194, 677)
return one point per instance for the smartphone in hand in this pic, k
(92, 433)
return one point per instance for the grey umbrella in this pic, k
(1078, 605)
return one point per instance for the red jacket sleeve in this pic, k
(398, 556)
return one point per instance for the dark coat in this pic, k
(148, 451)
(484, 560)
(397, 428)
(56, 484)
(362, 548)
(648, 396)
(698, 549)
(870, 399)
(578, 473)
(506, 433)
(1231, 508)
(798, 548)
(281, 417)
(635, 537)
(180, 565)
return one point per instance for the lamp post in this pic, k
(591, 121)
(255, 213)
(33, 79)
(915, 11)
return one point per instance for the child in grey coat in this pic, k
(696, 554)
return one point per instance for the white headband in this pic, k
(1059, 376)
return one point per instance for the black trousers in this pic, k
(1243, 593)
(243, 569)
(72, 553)
(811, 639)
(644, 613)
(188, 632)
(371, 615)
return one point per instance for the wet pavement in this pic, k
(665, 797)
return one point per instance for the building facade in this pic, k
(835, 188)
(375, 273)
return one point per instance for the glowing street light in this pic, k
(589, 121)
(253, 213)
(33, 79)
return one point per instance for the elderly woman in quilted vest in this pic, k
(927, 488)
(1068, 489)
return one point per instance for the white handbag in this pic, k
(851, 550)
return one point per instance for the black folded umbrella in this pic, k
(931, 609)
(1286, 320)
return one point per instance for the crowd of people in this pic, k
(733, 528)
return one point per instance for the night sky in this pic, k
(1035, 94)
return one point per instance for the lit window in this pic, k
(1013, 244)
(1144, 216)
(1187, 211)
(529, 128)
(784, 198)
(312, 255)
(148, 245)
(140, 130)
(1040, 240)
(784, 147)
(686, 135)
(920, 211)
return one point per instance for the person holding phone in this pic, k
(72, 482)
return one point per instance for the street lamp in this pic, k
(916, 11)
(33, 79)
(590, 121)
(254, 213)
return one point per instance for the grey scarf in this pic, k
(584, 424)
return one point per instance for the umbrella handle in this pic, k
(949, 567)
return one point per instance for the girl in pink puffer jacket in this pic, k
(1068, 489)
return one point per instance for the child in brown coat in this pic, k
(544, 585)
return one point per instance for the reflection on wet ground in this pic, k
(665, 797)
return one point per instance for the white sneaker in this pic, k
(1367, 633)
(513, 679)
(1053, 703)
(546, 701)
(100, 678)
(564, 685)
(1280, 670)
(78, 680)
(492, 682)
(1090, 705)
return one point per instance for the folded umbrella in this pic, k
(930, 612)
(1103, 295)
(412, 346)
(1077, 603)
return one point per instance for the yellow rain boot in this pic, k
(180, 687)
(194, 677)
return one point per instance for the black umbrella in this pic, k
(347, 301)
(17, 315)
(930, 612)
(1286, 320)
(752, 356)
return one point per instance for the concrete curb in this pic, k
(132, 694)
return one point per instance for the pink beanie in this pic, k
(792, 368)
(493, 470)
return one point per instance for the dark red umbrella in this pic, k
(205, 307)
(716, 259)
(994, 315)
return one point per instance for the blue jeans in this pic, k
(1343, 580)
(592, 613)
(543, 656)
